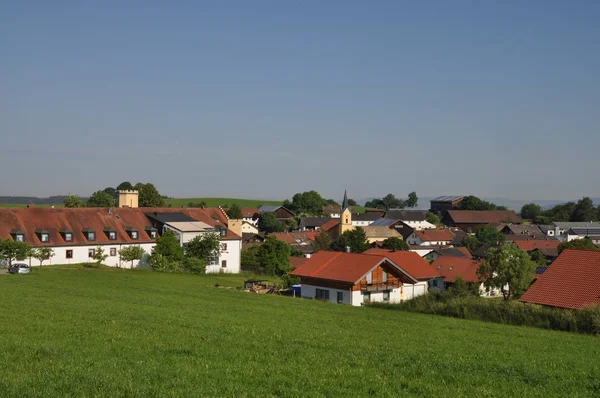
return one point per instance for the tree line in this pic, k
(581, 211)
(148, 196)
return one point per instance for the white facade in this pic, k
(250, 220)
(414, 239)
(422, 251)
(419, 225)
(352, 297)
(249, 228)
(414, 290)
(362, 223)
(439, 284)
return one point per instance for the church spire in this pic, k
(345, 202)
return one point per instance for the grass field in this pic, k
(214, 202)
(15, 205)
(110, 332)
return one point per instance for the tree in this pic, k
(131, 253)
(307, 202)
(194, 265)
(561, 212)
(355, 239)
(538, 257)
(352, 202)
(578, 244)
(160, 263)
(274, 256)
(292, 224)
(471, 243)
(203, 246)
(433, 218)
(112, 192)
(394, 243)
(148, 195)
(101, 199)
(531, 211)
(460, 288)
(490, 235)
(73, 201)
(584, 211)
(413, 200)
(12, 250)
(249, 256)
(508, 268)
(234, 212)
(269, 223)
(391, 202)
(168, 246)
(125, 186)
(99, 256)
(474, 203)
(42, 254)
(322, 241)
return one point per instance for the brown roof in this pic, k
(380, 232)
(294, 237)
(330, 224)
(483, 216)
(410, 262)
(96, 219)
(453, 267)
(249, 212)
(295, 262)
(529, 245)
(428, 235)
(572, 281)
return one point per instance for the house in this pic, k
(572, 281)
(352, 278)
(364, 219)
(547, 230)
(312, 223)
(451, 268)
(534, 244)
(530, 231)
(414, 265)
(592, 233)
(249, 228)
(282, 213)
(430, 237)
(250, 215)
(561, 229)
(249, 239)
(301, 241)
(442, 204)
(332, 211)
(75, 234)
(448, 251)
(415, 219)
(375, 234)
(469, 220)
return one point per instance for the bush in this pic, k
(510, 312)
(161, 263)
(194, 265)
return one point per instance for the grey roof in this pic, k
(169, 217)
(519, 229)
(383, 222)
(567, 225)
(366, 216)
(267, 209)
(406, 215)
(584, 231)
(546, 228)
(313, 221)
(452, 252)
(446, 198)
(345, 201)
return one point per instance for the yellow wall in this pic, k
(346, 221)
(235, 226)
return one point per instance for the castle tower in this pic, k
(346, 216)
(128, 198)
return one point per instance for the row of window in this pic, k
(90, 235)
(323, 294)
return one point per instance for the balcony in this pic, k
(379, 286)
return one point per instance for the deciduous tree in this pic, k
(474, 203)
(99, 256)
(413, 200)
(234, 212)
(168, 246)
(125, 186)
(433, 218)
(74, 201)
(149, 196)
(394, 243)
(274, 256)
(101, 199)
(269, 223)
(307, 202)
(578, 244)
(131, 253)
(203, 246)
(531, 211)
(585, 211)
(322, 241)
(508, 268)
(355, 239)
(42, 254)
(12, 250)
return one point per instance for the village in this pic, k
(335, 254)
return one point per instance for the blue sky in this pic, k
(264, 99)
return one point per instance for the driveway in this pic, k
(3, 271)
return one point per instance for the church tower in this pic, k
(346, 216)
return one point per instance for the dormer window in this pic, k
(20, 238)
(152, 232)
(133, 232)
(43, 235)
(111, 234)
(90, 234)
(18, 235)
(67, 235)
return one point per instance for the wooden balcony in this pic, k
(379, 286)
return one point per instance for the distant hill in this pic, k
(225, 202)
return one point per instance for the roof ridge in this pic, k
(325, 264)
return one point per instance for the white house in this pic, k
(430, 237)
(415, 219)
(450, 268)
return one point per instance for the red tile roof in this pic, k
(338, 266)
(410, 262)
(294, 237)
(529, 245)
(572, 281)
(440, 235)
(96, 219)
(483, 216)
(295, 262)
(452, 267)
(330, 224)
(249, 212)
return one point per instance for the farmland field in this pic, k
(110, 332)
(214, 202)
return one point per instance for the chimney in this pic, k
(348, 250)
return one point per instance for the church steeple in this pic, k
(345, 201)
(346, 216)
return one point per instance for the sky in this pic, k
(263, 99)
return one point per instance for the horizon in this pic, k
(267, 99)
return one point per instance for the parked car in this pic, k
(19, 268)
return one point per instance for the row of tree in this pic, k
(474, 203)
(581, 211)
(390, 201)
(148, 196)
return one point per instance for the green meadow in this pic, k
(226, 202)
(72, 331)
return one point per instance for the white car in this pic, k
(19, 268)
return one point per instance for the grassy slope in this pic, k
(87, 332)
(214, 202)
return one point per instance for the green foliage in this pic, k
(292, 224)
(42, 254)
(269, 223)
(356, 239)
(249, 256)
(413, 200)
(161, 263)
(585, 211)
(234, 212)
(74, 201)
(149, 195)
(460, 288)
(577, 244)
(99, 256)
(12, 250)
(201, 205)
(309, 202)
(474, 203)
(101, 199)
(471, 242)
(538, 257)
(125, 186)
(507, 265)
(274, 256)
(352, 202)
(168, 246)
(194, 265)
(131, 253)
(203, 246)
(531, 211)
(112, 192)
(224, 202)
(322, 241)
(561, 212)
(394, 243)
(389, 201)
(433, 218)
(484, 235)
